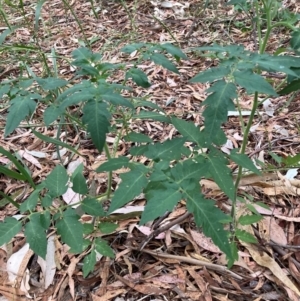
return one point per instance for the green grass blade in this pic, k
(18, 165)
(37, 15)
(9, 199)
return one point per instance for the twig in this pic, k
(208, 265)
(163, 229)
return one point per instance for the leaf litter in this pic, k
(178, 261)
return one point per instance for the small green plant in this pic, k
(174, 171)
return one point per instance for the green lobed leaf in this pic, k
(21, 107)
(249, 219)
(133, 47)
(158, 175)
(159, 201)
(138, 150)
(107, 228)
(82, 54)
(187, 171)
(79, 184)
(173, 50)
(131, 186)
(291, 160)
(36, 237)
(79, 181)
(292, 87)
(117, 100)
(231, 50)
(4, 89)
(275, 157)
(211, 74)
(52, 113)
(141, 167)
(217, 167)
(97, 122)
(253, 82)
(71, 230)
(85, 68)
(169, 150)
(138, 137)
(83, 87)
(92, 206)
(295, 40)
(149, 104)
(89, 262)
(51, 83)
(162, 60)
(8, 229)
(282, 64)
(113, 164)
(245, 236)
(263, 205)
(103, 248)
(83, 95)
(244, 161)
(152, 116)
(217, 106)
(45, 219)
(88, 229)
(31, 202)
(188, 130)
(47, 200)
(207, 216)
(57, 181)
(252, 209)
(139, 77)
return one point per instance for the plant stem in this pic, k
(129, 15)
(78, 22)
(243, 150)
(109, 181)
(166, 28)
(267, 8)
(285, 24)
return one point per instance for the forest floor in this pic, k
(270, 271)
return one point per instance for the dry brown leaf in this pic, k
(296, 242)
(142, 288)
(204, 242)
(265, 260)
(200, 281)
(104, 274)
(275, 232)
(109, 295)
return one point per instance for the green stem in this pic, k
(129, 15)
(258, 25)
(166, 28)
(78, 22)
(285, 24)
(93, 9)
(263, 46)
(109, 181)
(57, 137)
(243, 149)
